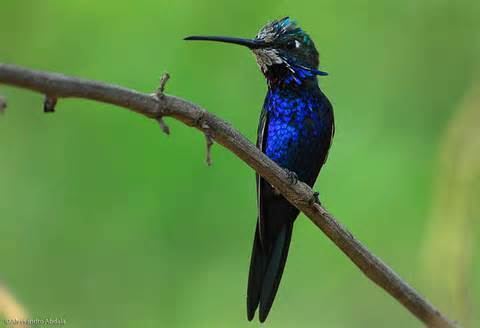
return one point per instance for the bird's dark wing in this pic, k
(271, 242)
(262, 125)
(330, 131)
(308, 171)
(257, 261)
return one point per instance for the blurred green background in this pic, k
(106, 222)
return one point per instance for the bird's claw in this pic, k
(292, 177)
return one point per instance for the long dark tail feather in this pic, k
(255, 276)
(274, 271)
(266, 272)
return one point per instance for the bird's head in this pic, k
(282, 49)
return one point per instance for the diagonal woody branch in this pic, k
(299, 194)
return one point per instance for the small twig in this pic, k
(202, 124)
(49, 104)
(209, 143)
(3, 104)
(159, 94)
(165, 128)
(163, 81)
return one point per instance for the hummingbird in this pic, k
(295, 130)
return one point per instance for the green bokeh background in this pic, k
(106, 222)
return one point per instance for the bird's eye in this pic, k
(292, 44)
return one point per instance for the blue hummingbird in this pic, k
(295, 130)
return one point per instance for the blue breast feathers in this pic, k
(295, 126)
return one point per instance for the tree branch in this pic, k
(57, 86)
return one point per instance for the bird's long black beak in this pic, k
(250, 43)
